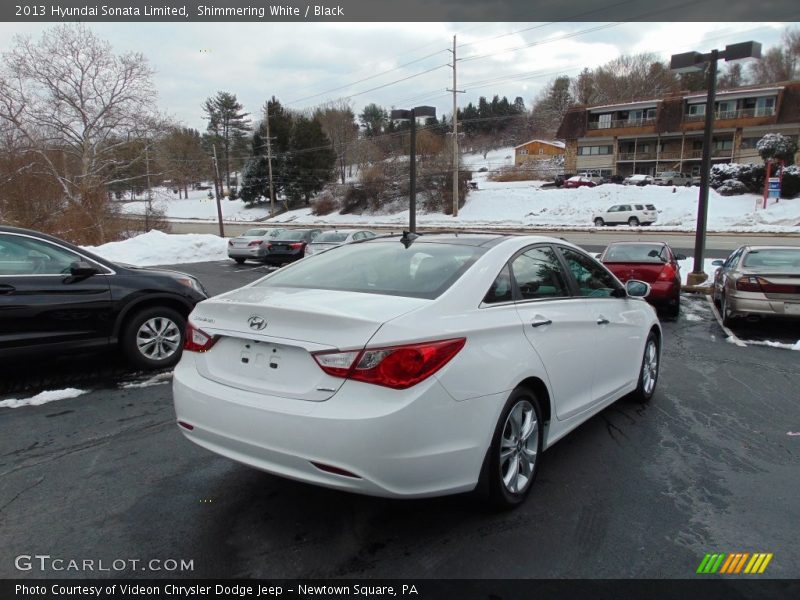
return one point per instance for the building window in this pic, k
(723, 144)
(523, 151)
(595, 150)
(541, 150)
(604, 121)
(749, 143)
(697, 109)
(765, 107)
(726, 109)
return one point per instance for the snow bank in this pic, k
(42, 398)
(158, 248)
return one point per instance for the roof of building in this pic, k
(549, 143)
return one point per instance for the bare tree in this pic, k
(68, 99)
(338, 123)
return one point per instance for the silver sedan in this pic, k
(252, 244)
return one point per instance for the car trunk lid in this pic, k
(645, 271)
(266, 336)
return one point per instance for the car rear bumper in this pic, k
(662, 292)
(751, 304)
(276, 258)
(398, 443)
(254, 252)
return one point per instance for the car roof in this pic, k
(751, 248)
(638, 242)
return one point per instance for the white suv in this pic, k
(632, 214)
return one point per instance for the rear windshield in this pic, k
(778, 258)
(256, 232)
(291, 234)
(330, 237)
(423, 270)
(650, 206)
(639, 253)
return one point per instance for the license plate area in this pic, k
(791, 308)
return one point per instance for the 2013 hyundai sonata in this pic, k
(415, 366)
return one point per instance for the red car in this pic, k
(579, 181)
(653, 262)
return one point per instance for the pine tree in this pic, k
(228, 126)
(311, 160)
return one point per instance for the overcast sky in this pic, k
(305, 64)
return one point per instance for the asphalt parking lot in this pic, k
(709, 465)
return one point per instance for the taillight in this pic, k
(255, 243)
(748, 283)
(397, 367)
(777, 288)
(197, 340)
(667, 273)
(230, 242)
(297, 245)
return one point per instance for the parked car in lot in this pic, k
(672, 178)
(252, 244)
(331, 239)
(632, 214)
(593, 175)
(406, 367)
(579, 181)
(653, 262)
(289, 245)
(758, 281)
(639, 180)
(57, 298)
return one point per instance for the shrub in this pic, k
(324, 204)
(790, 184)
(752, 176)
(732, 187)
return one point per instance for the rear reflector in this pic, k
(397, 367)
(197, 340)
(334, 470)
(297, 245)
(186, 425)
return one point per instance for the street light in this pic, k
(411, 115)
(688, 62)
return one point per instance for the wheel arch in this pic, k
(169, 301)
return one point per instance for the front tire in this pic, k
(153, 338)
(516, 450)
(598, 222)
(648, 372)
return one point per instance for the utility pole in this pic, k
(269, 165)
(149, 208)
(218, 189)
(455, 91)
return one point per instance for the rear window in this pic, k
(778, 258)
(639, 207)
(639, 253)
(291, 234)
(423, 270)
(650, 206)
(331, 237)
(256, 232)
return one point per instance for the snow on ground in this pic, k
(524, 203)
(795, 346)
(159, 248)
(42, 398)
(688, 264)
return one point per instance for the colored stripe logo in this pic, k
(735, 563)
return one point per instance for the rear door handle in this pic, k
(601, 320)
(541, 322)
(7, 289)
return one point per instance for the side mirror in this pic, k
(718, 263)
(637, 289)
(680, 257)
(81, 268)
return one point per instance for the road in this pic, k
(718, 245)
(635, 492)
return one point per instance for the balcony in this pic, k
(621, 123)
(743, 113)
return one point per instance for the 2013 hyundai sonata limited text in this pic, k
(417, 365)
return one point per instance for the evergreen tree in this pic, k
(374, 119)
(227, 126)
(311, 160)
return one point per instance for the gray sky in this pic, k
(303, 64)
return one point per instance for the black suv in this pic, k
(57, 297)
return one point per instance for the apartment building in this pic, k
(666, 134)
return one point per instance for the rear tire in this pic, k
(153, 338)
(648, 372)
(239, 261)
(516, 450)
(674, 307)
(633, 222)
(598, 222)
(724, 311)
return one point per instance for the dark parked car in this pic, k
(652, 262)
(289, 245)
(57, 298)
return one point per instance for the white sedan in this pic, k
(406, 367)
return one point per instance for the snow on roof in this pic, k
(637, 104)
(549, 143)
(734, 94)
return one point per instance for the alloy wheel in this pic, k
(519, 447)
(650, 367)
(158, 338)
